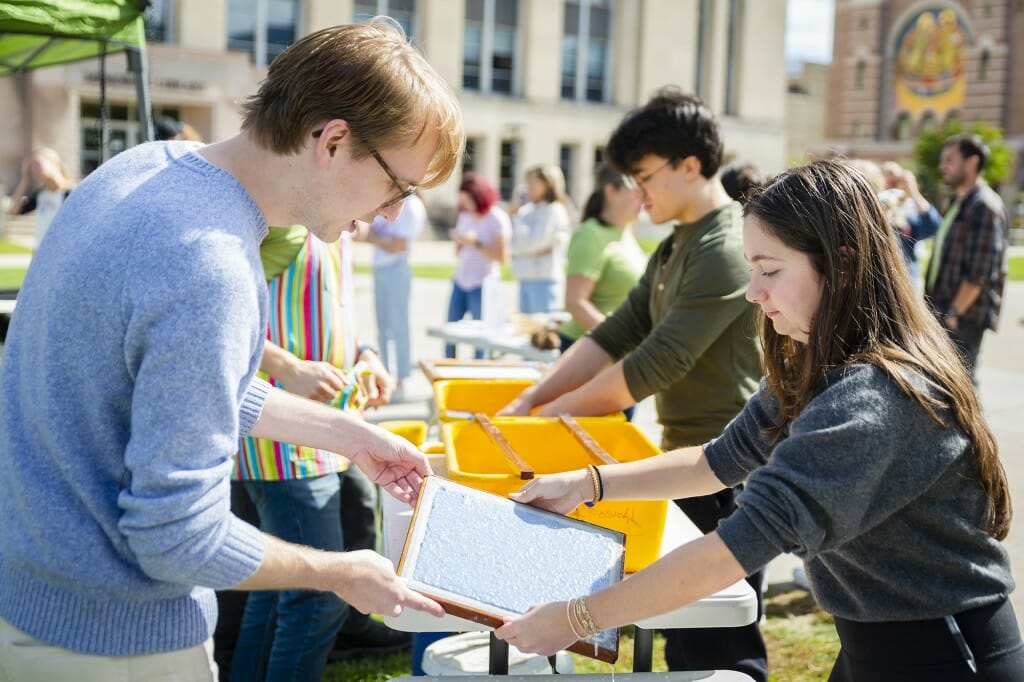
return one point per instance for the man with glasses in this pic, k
(685, 333)
(128, 375)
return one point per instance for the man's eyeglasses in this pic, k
(405, 190)
(634, 183)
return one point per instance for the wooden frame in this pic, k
(435, 370)
(486, 558)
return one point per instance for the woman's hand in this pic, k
(542, 630)
(560, 493)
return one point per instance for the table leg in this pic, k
(497, 663)
(643, 649)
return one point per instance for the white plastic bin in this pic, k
(468, 654)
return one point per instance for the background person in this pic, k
(604, 259)
(140, 327)
(919, 221)
(967, 272)
(741, 180)
(540, 232)
(481, 236)
(858, 395)
(392, 284)
(44, 184)
(312, 350)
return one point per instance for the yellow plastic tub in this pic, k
(548, 447)
(458, 399)
(412, 430)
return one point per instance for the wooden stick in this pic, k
(524, 469)
(591, 445)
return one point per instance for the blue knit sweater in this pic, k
(126, 381)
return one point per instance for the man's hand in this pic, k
(368, 582)
(392, 463)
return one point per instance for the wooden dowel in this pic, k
(591, 445)
(524, 469)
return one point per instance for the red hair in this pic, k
(482, 192)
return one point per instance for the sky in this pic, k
(808, 31)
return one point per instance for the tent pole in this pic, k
(138, 65)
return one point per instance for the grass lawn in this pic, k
(11, 278)
(802, 645)
(7, 247)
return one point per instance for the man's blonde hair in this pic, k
(371, 77)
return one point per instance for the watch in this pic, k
(951, 312)
(363, 347)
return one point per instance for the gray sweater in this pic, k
(880, 501)
(126, 381)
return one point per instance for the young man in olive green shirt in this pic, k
(685, 333)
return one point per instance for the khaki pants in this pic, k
(25, 658)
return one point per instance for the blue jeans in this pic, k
(464, 301)
(288, 634)
(391, 286)
(538, 296)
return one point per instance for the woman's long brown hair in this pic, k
(868, 313)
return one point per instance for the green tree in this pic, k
(929, 147)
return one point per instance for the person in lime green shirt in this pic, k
(604, 261)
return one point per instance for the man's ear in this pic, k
(691, 166)
(334, 134)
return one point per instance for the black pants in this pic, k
(967, 339)
(925, 650)
(741, 649)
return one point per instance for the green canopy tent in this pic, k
(38, 33)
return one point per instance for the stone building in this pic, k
(901, 67)
(540, 81)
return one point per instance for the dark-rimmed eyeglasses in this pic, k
(405, 190)
(634, 183)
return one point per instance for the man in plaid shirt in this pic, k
(965, 278)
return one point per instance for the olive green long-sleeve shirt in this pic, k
(686, 331)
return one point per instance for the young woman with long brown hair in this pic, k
(865, 452)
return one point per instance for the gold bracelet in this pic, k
(594, 482)
(572, 620)
(583, 617)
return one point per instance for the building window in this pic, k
(490, 57)
(263, 28)
(585, 50)
(598, 157)
(508, 168)
(855, 129)
(159, 21)
(402, 11)
(470, 162)
(861, 73)
(901, 131)
(123, 126)
(983, 63)
(927, 123)
(567, 162)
